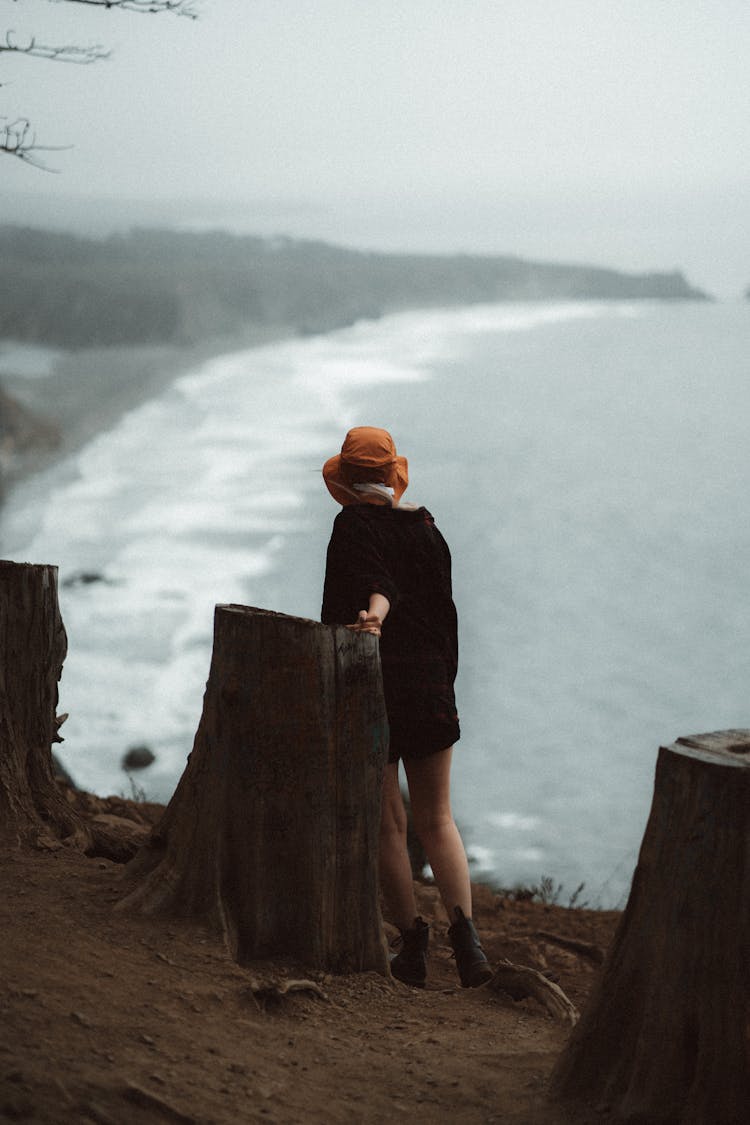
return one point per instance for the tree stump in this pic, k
(33, 645)
(272, 833)
(664, 1038)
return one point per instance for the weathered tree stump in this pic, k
(272, 833)
(33, 644)
(32, 650)
(664, 1038)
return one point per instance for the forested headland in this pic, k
(163, 286)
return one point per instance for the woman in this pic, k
(388, 572)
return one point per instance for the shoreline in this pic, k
(90, 390)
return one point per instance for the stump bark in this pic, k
(33, 808)
(664, 1038)
(272, 833)
(33, 645)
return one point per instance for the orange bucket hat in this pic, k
(367, 455)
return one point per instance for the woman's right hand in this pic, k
(367, 623)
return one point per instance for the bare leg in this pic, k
(393, 859)
(429, 793)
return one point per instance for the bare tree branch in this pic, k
(17, 138)
(178, 7)
(68, 53)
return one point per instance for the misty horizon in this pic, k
(607, 134)
(382, 230)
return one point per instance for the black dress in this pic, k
(401, 554)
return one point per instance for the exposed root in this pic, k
(594, 953)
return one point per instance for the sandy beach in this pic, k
(87, 391)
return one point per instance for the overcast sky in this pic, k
(611, 131)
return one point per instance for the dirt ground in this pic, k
(118, 1019)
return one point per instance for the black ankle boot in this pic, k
(473, 967)
(409, 965)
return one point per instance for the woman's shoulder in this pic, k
(416, 513)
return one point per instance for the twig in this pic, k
(17, 138)
(68, 53)
(520, 982)
(274, 991)
(146, 1100)
(177, 7)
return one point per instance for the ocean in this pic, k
(587, 464)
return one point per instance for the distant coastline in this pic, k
(129, 312)
(181, 288)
